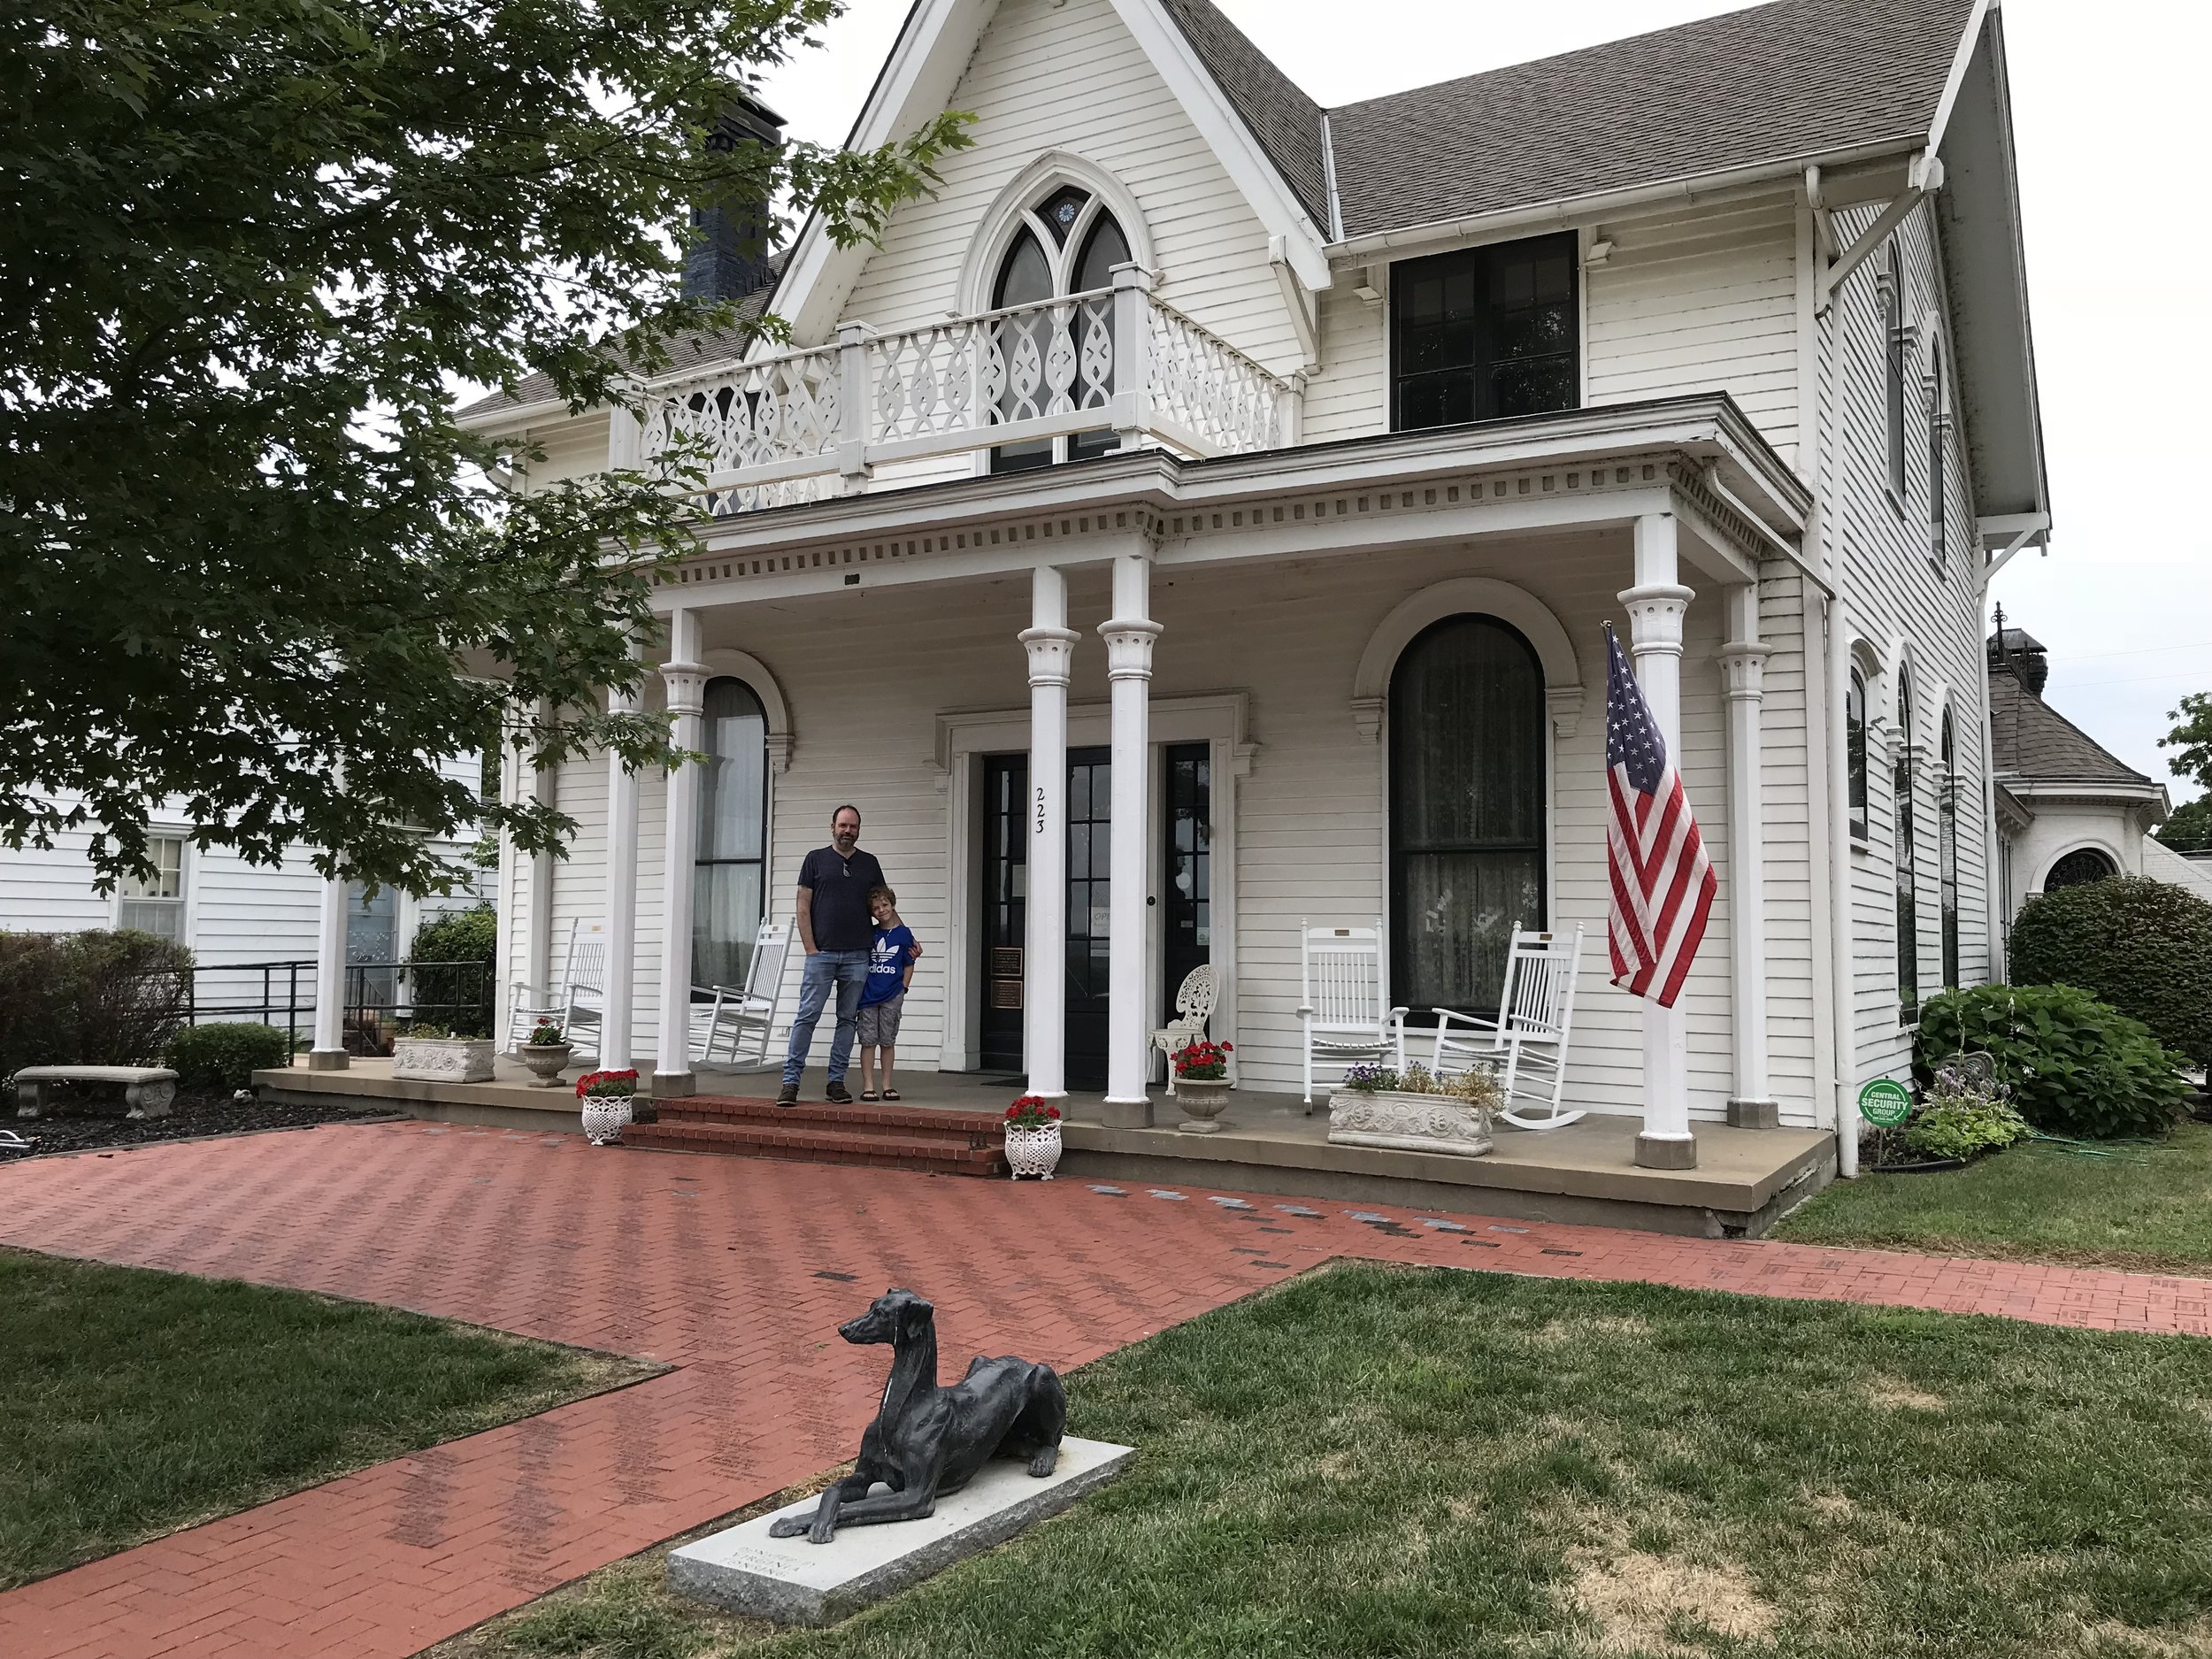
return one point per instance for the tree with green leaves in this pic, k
(2190, 827)
(248, 254)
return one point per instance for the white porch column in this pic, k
(330, 1052)
(1656, 606)
(1743, 668)
(1050, 643)
(686, 678)
(1129, 634)
(618, 1047)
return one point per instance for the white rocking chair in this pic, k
(1344, 1001)
(1535, 1014)
(575, 999)
(1193, 1006)
(741, 1018)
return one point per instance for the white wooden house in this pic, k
(1205, 508)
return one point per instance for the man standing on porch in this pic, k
(837, 930)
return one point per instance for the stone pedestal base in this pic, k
(793, 1582)
(674, 1084)
(327, 1060)
(1122, 1114)
(1654, 1152)
(1754, 1114)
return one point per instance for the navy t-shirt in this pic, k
(840, 886)
(887, 964)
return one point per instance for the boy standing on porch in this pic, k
(890, 971)
(834, 926)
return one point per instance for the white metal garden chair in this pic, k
(1193, 1006)
(733, 1026)
(1528, 1040)
(1344, 1001)
(575, 999)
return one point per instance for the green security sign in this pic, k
(1885, 1102)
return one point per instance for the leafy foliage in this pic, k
(225, 1055)
(2192, 735)
(460, 996)
(2074, 1065)
(248, 255)
(1963, 1125)
(92, 998)
(2142, 945)
(2188, 827)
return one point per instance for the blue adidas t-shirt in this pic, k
(887, 957)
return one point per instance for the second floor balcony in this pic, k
(1077, 375)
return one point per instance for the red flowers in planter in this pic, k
(593, 1084)
(1203, 1062)
(1031, 1111)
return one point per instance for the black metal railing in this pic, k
(381, 999)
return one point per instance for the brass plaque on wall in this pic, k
(1006, 961)
(1006, 993)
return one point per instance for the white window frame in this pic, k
(129, 891)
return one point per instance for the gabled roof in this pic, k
(2033, 742)
(1799, 78)
(1282, 119)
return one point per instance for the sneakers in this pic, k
(838, 1094)
(788, 1095)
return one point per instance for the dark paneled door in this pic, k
(1004, 911)
(1185, 900)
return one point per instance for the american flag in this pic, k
(1663, 882)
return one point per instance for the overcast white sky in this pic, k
(2108, 101)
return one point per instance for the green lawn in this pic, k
(138, 1402)
(1373, 1461)
(2147, 1208)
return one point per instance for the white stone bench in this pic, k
(147, 1088)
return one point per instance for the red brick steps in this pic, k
(883, 1136)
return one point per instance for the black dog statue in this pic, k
(928, 1441)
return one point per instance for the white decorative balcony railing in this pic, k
(781, 428)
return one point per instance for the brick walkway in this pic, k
(734, 1272)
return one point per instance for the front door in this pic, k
(1003, 918)
(1185, 900)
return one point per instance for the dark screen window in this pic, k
(1484, 335)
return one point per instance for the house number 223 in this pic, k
(1040, 809)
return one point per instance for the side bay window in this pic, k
(1484, 334)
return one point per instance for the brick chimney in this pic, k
(729, 257)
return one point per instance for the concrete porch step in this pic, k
(882, 1137)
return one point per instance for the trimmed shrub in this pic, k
(2076, 1066)
(224, 1055)
(459, 998)
(93, 998)
(2143, 945)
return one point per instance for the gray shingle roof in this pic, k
(1799, 78)
(1283, 120)
(2036, 744)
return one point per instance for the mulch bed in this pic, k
(93, 1125)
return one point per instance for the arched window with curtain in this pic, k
(1948, 855)
(1907, 873)
(1057, 358)
(1468, 781)
(1854, 751)
(729, 889)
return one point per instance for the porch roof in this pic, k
(1699, 456)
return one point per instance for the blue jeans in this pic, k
(848, 971)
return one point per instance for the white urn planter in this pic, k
(1408, 1122)
(545, 1061)
(442, 1059)
(1202, 1100)
(1032, 1151)
(605, 1118)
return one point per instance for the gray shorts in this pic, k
(879, 1022)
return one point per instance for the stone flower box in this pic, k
(442, 1059)
(1408, 1122)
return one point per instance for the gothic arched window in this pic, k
(1057, 358)
(1468, 754)
(729, 888)
(1908, 871)
(1854, 750)
(1947, 853)
(2078, 868)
